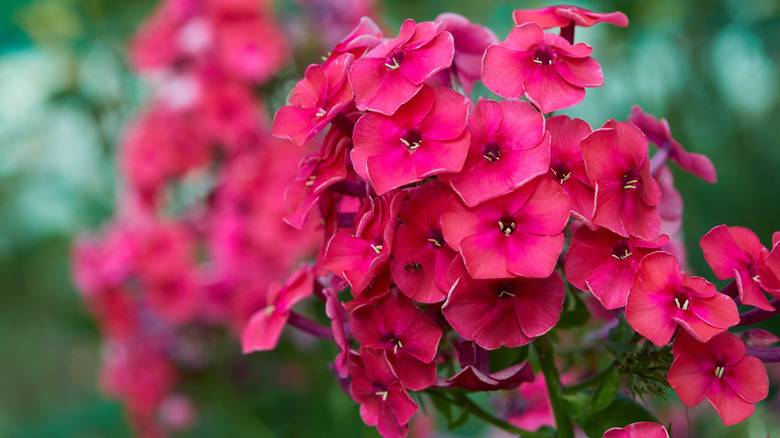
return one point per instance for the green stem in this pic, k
(550, 370)
(463, 401)
(590, 381)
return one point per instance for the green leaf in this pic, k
(573, 318)
(620, 413)
(460, 421)
(606, 391)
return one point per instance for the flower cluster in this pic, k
(453, 222)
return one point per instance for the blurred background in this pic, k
(711, 67)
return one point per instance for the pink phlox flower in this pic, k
(541, 66)
(407, 335)
(316, 99)
(605, 263)
(659, 133)
(384, 402)
(427, 136)
(376, 289)
(421, 256)
(530, 406)
(316, 173)
(563, 15)
(759, 338)
(627, 196)
(567, 165)
(509, 312)
(394, 71)
(736, 252)
(645, 429)
(508, 149)
(365, 36)
(664, 297)
(360, 257)
(471, 379)
(517, 234)
(471, 40)
(720, 371)
(264, 328)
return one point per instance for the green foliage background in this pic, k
(709, 67)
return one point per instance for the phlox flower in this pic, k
(360, 257)
(517, 234)
(645, 429)
(659, 133)
(264, 328)
(427, 136)
(541, 66)
(604, 263)
(316, 99)
(626, 194)
(410, 339)
(509, 312)
(563, 15)
(720, 371)
(736, 252)
(567, 165)
(384, 402)
(508, 148)
(421, 256)
(471, 40)
(394, 71)
(471, 379)
(663, 297)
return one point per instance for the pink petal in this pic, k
(722, 252)
(650, 315)
(580, 72)
(539, 304)
(608, 206)
(504, 69)
(748, 378)
(420, 64)
(611, 282)
(718, 311)
(524, 36)
(690, 377)
(531, 255)
(522, 125)
(485, 255)
(546, 211)
(447, 118)
(499, 326)
(546, 87)
(731, 408)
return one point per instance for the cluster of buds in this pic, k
(453, 223)
(198, 236)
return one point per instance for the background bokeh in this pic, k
(711, 67)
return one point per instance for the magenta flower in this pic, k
(425, 137)
(508, 148)
(364, 37)
(735, 252)
(720, 371)
(471, 379)
(421, 257)
(409, 338)
(360, 257)
(626, 194)
(509, 312)
(604, 263)
(338, 315)
(516, 234)
(541, 66)
(471, 40)
(645, 429)
(384, 402)
(561, 16)
(567, 166)
(659, 133)
(316, 99)
(316, 173)
(264, 328)
(394, 71)
(663, 296)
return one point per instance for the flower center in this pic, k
(436, 238)
(561, 172)
(543, 54)
(394, 61)
(412, 139)
(682, 301)
(491, 151)
(507, 225)
(631, 179)
(719, 369)
(621, 250)
(505, 292)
